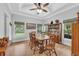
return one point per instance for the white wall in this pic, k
(71, 13)
(4, 15)
(1, 22)
(25, 19)
(8, 27)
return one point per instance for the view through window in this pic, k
(19, 29)
(68, 28)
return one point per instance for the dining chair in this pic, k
(2, 48)
(3, 45)
(32, 39)
(51, 46)
(34, 44)
(5, 42)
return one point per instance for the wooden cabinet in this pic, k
(57, 30)
(75, 38)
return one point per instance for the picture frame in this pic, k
(30, 26)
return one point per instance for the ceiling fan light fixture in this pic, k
(40, 7)
(39, 10)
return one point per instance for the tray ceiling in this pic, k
(23, 8)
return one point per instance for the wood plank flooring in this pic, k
(23, 49)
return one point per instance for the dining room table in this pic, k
(43, 40)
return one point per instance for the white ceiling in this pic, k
(23, 8)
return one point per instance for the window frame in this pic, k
(21, 34)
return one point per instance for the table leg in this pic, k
(46, 42)
(41, 47)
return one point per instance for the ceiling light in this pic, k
(39, 10)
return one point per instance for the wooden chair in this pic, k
(33, 42)
(51, 46)
(3, 45)
(2, 49)
(5, 41)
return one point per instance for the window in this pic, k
(19, 29)
(39, 28)
(68, 28)
(45, 28)
(42, 28)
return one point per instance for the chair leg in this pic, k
(55, 52)
(3, 53)
(50, 52)
(0, 53)
(31, 47)
(34, 51)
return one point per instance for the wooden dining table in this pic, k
(43, 40)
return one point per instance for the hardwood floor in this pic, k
(23, 49)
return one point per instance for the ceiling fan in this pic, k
(40, 7)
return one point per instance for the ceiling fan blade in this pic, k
(33, 9)
(45, 4)
(35, 4)
(44, 10)
(39, 4)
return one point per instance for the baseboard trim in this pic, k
(18, 42)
